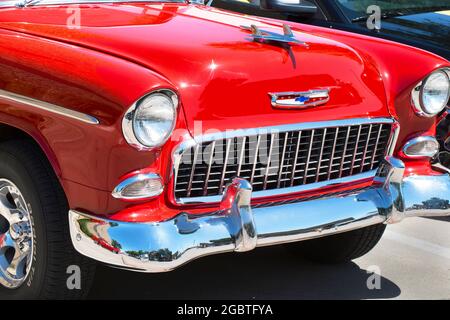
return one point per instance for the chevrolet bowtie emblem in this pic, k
(296, 100)
(287, 37)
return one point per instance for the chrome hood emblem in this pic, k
(287, 37)
(296, 100)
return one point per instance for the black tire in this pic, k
(340, 248)
(24, 164)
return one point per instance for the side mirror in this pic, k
(301, 7)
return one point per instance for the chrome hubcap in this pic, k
(16, 236)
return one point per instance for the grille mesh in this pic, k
(283, 159)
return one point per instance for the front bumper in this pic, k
(237, 226)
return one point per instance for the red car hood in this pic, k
(210, 59)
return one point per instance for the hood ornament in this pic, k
(299, 100)
(287, 37)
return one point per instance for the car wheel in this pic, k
(37, 259)
(340, 248)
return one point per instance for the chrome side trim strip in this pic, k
(48, 107)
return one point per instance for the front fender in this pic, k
(84, 155)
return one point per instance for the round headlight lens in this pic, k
(154, 119)
(435, 93)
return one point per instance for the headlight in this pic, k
(151, 120)
(431, 95)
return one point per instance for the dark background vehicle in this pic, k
(420, 23)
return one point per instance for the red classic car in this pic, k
(172, 130)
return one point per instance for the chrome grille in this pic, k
(283, 159)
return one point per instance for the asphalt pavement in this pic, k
(412, 261)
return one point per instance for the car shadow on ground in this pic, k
(446, 219)
(269, 273)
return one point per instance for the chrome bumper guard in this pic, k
(237, 226)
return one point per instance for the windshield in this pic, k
(7, 3)
(357, 8)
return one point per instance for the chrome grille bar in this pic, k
(356, 150)
(330, 166)
(255, 160)
(281, 172)
(241, 156)
(344, 153)
(296, 158)
(224, 170)
(269, 159)
(208, 172)
(376, 146)
(305, 174)
(365, 149)
(321, 154)
(191, 177)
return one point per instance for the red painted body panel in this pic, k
(401, 68)
(224, 74)
(122, 52)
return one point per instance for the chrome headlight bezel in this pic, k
(420, 141)
(417, 95)
(120, 191)
(128, 121)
